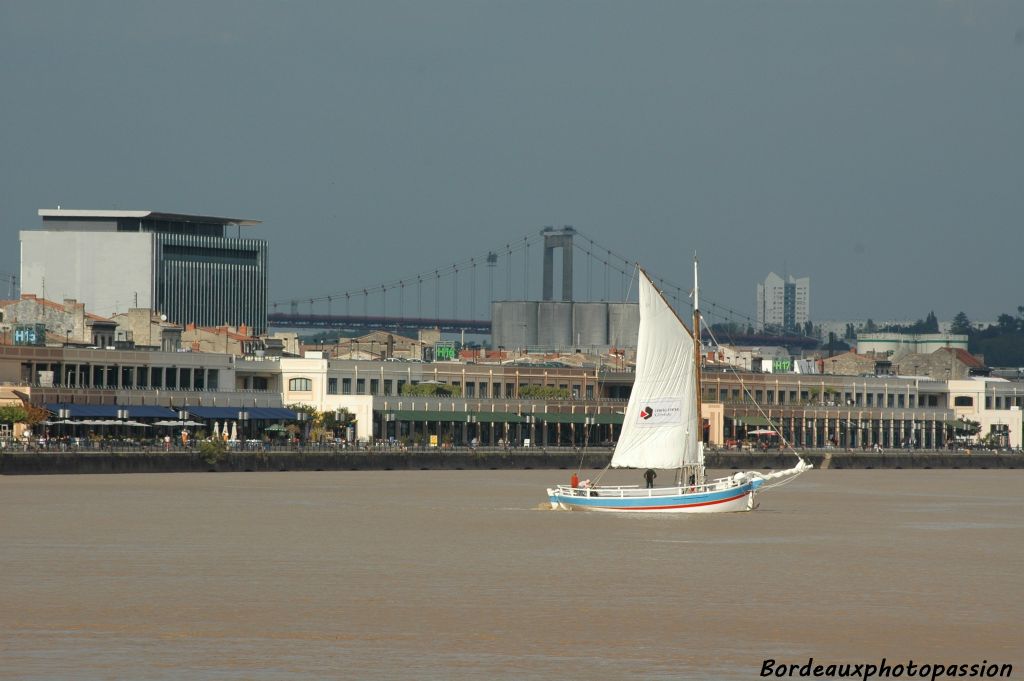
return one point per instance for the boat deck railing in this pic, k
(630, 491)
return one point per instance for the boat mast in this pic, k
(696, 373)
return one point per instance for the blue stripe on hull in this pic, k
(661, 503)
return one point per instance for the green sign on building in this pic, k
(444, 351)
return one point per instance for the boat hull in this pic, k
(665, 500)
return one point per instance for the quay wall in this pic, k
(42, 463)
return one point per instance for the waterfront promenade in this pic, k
(565, 458)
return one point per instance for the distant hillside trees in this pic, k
(961, 324)
(1001, 343)
(930, 324)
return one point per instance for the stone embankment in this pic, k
(41, 463)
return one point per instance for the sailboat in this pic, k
(662, 427)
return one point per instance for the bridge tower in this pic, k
(557, 238)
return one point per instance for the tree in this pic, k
(432, 389)
(850, 333)
(961, 324)
(23, 413)
(13, 413)
(544, 392)
(870, 326)
(931, 323)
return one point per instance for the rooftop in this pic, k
(71, 213)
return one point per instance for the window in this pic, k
(374, 386)
(497, 390)
(332, 386)
(346, 386)
(360, 386)
(471, 390)
(387, 386)
(300, 384)
(963, 401)
(483, 390)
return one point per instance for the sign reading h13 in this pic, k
(30, 334)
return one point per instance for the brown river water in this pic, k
(464, 575)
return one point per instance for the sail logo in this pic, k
(660, 411)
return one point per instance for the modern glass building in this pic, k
(187, 267)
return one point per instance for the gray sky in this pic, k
(876, 147)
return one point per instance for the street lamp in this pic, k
(302, 417)
(470, 419)
(63, 414)
(123, 415)
(243, 419)
(531, 420)
(183, 416)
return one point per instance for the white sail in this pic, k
(659, 427)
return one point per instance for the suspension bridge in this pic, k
(457, 297)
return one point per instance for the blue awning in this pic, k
(155, 412)
(110, 410)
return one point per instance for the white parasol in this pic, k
(234, 430)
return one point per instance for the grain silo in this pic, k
(590, 325)
(623, 324)
(554, 324)
(514, 324)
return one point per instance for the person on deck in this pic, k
(649, 476)
(574, 480)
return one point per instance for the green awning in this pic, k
(497, 417)
(433, 415)
(579, 417)
(455, 416)
(427, 415)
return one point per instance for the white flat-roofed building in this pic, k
(783, 304)
(184, 266)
